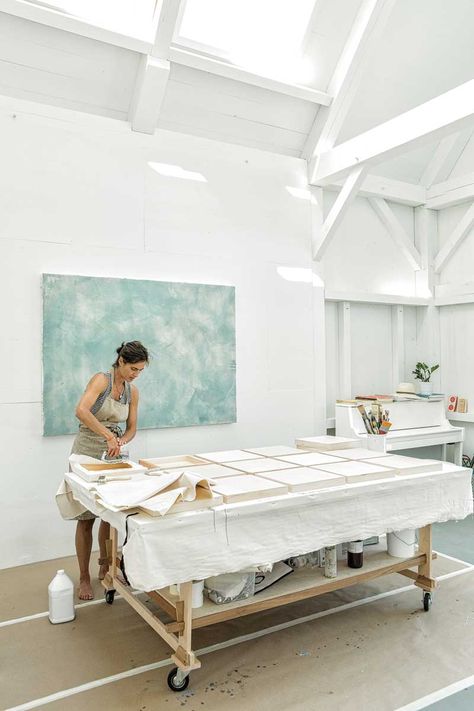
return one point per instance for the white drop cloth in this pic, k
(199, 544)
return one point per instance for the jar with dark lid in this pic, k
(355, 554)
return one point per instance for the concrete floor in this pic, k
(455, 538)
(351, 638)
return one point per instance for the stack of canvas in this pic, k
(357, 471)
(309, 459)
(264, 464)
(243, 488)
(276, 450)
(322, 443)
(305, 479)
(407, 465)
(230, 455)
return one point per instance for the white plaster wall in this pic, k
(78, 196)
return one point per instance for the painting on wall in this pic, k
(189, 330)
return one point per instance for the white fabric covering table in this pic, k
(198, 544)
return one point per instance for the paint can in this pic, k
(198, 593)
(401, 544)
(61, 599)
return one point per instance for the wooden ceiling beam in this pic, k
(179, 54)
(445, 158)
(338, 210)
(366, 30)
(445, 114)
(62, 21)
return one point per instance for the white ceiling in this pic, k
(85, 55)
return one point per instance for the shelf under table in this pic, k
(301, 584)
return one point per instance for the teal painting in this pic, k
(189, 330)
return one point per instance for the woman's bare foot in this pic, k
(85, 589)
(103, 567)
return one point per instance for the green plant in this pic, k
(423, 372)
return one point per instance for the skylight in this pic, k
(132, 18)
(262, 36)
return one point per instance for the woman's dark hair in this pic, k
(132, 352)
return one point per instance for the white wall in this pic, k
(371, 349)
(362, 256)
(77, 196)
(457, 321)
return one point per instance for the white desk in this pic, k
(416, 423)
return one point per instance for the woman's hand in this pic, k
(113, 447)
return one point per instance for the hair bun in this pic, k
(119, 349)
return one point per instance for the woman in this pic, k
(109, 399)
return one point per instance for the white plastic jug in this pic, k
(61, 598)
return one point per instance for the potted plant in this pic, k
(423, 373)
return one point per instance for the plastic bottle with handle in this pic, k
(61, 599)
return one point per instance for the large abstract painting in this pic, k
(189, 330)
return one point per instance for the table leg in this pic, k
(425, 546)
(184, 656)
(458, 453)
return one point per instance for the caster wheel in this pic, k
(427, 601)
(109, 596)
(172, 683)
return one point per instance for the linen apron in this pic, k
(110, 413)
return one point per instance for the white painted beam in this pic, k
(426, 240)
(389, 189)
(150, 88)
(319, 359)
(398, 346)
(451, 192)
(167, 12)
(317, 218)
(428, 339)
(180, 55)
(338, 210)
(455, 239)
(62, 21)
(363, 297)
(397, 232)
(431, 121)
(365, 31)
(154, 70)
(451, 294)
(344, 343)
(454, 300)
(445, 158)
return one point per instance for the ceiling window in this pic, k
(130, 17)
(263, 36)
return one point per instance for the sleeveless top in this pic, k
(124, 398)
(110, 413)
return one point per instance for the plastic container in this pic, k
(401, 544)
(330, 562)
(61, 599)
(230, 587)
(198, 593)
